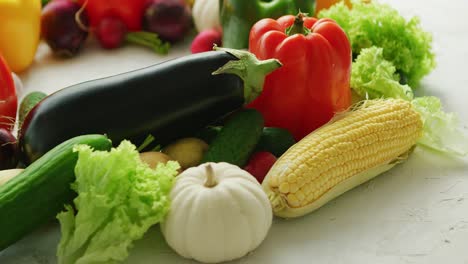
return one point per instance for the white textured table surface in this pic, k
(416, 213)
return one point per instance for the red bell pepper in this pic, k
(130, 12)
(8, 99)
(313, 83)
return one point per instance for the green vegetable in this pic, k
(238, 16)
(119, 198)
(28, 103)
(237, 139)
(405, 44)
(374, 77)
(209, 133)
(442, 131)
(37, 194)
(275, 140)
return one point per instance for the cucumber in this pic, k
(275, 140)
(208, 134)
(237, 139)
(28, 103)
(38, 193)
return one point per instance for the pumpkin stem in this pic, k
(210, 180)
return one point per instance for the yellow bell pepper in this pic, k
(20, 28)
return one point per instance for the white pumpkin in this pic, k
(219, 212)
(205, 15)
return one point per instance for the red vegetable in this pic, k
(117, 21)
(170, 19)
(205, 40)
(8, 150)
(111, 32)
(313, 83)
(8, 98)
(60, 29)
(259, 164)
(130, 12)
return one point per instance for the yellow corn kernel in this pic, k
(353, 148)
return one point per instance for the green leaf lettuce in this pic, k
(373, 77)
(119, 199)
(405, 44)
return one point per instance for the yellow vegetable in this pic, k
(20, 27)
(355, 147)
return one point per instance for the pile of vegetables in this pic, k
(155, 24)
(227, 138)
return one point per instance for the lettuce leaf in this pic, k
(374, 77)
(405, 44)
(119, 199)
(442, 131)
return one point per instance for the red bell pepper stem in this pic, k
(298, 26)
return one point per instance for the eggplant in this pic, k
(168, 100)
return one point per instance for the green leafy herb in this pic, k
(405, 44)
(119, 199)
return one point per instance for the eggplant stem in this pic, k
(250, 69)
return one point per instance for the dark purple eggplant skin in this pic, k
(169, 100)
(170, 19)
(60, 30)
(8, 150)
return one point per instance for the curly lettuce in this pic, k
(442, 131)
(119, 199)
(404, 43)
(373, 77)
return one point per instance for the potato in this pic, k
(153, 158)
(187, 151)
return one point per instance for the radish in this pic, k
(259, 164)
(205, 40)
(111, 32)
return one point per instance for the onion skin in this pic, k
(170, 19)
(8, 150)
(61, 30)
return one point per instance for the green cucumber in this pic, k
(208, 134)
(37, 194)
(275, 140)
(237, 139)
(28, 103)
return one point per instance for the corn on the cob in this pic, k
(353, 148)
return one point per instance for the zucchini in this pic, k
(170, 100)
(37, 194)
(237, 139)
